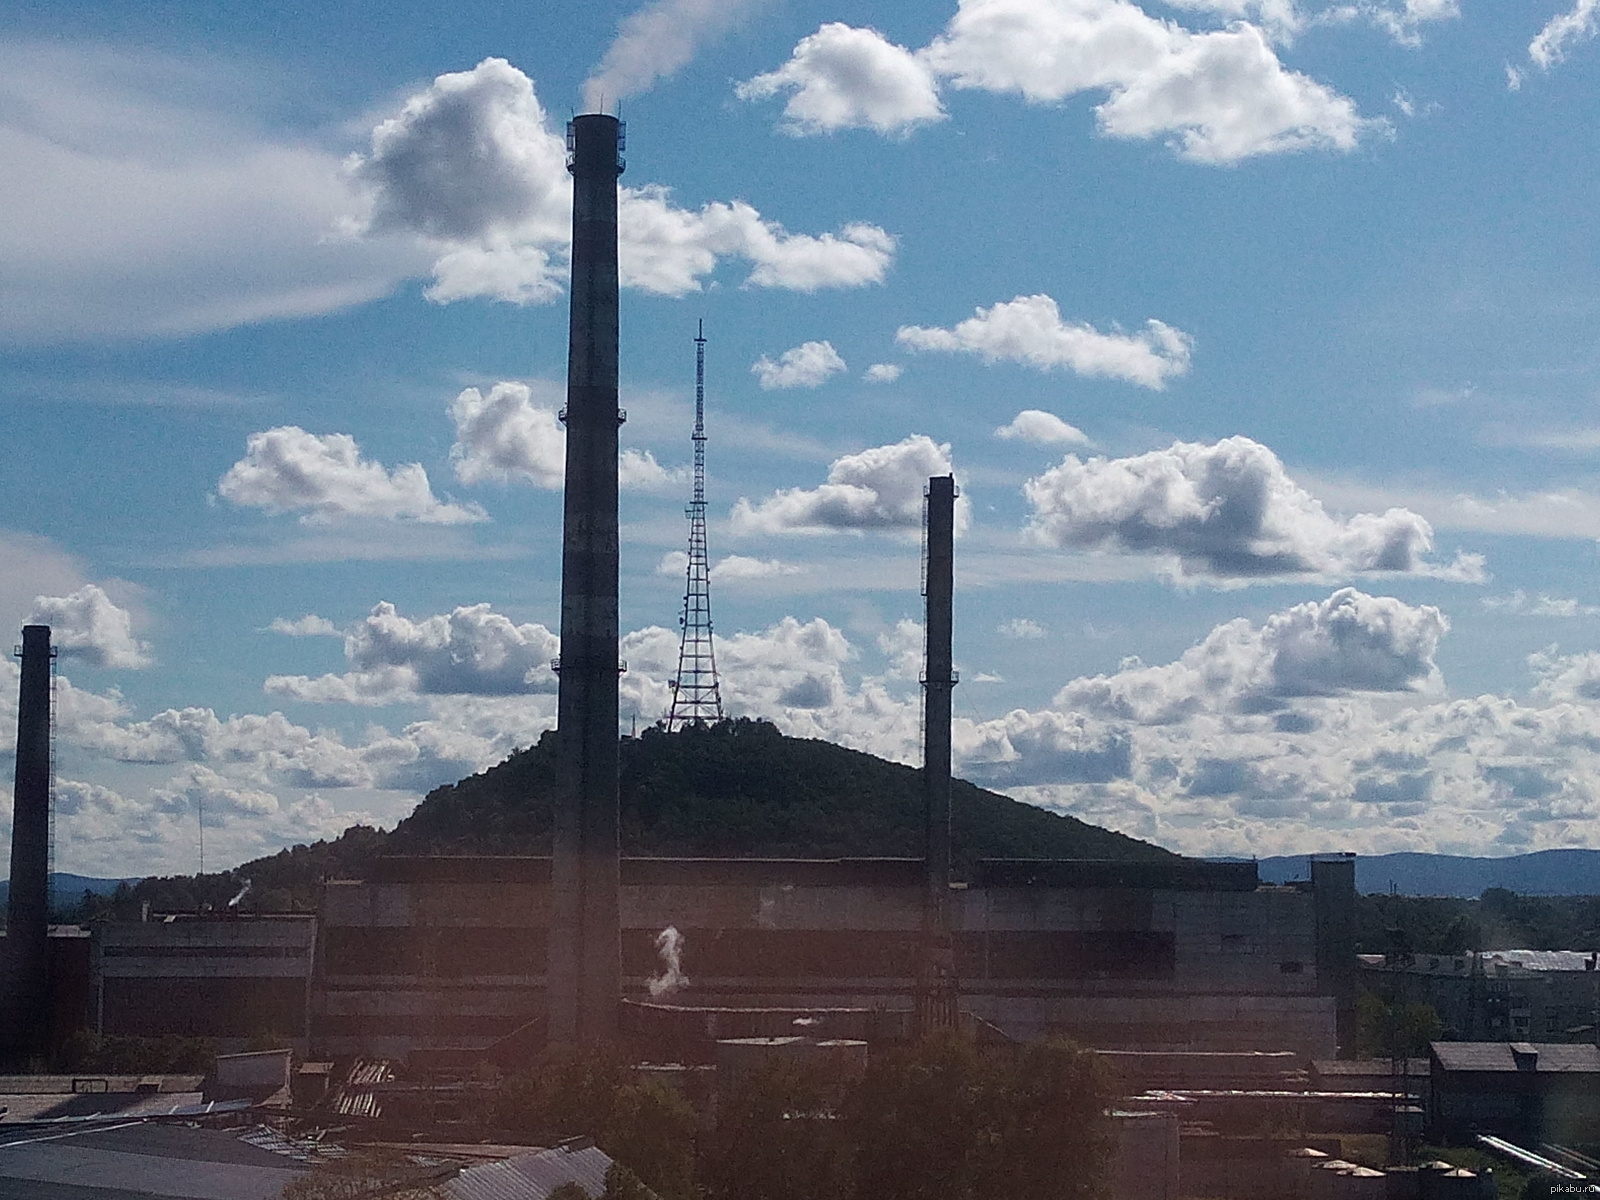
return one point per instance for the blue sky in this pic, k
(1257, 332)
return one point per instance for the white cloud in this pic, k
(1021, 629)
(34, 566)
(1403, 20)
(1350, 642)
(469, 155)
(88, 625)
(309, 625)
(1217, 97)
(471, 166)
(287, 469)
(1322, 727)
(737, 567)
(845, 78)
(655, 42)
(806, 365)
(470, 651)
(666, 250)
(638, 470)
(143, 198)
(1227, 510)
(1519, 603)
(877, 489)
(1030, 330)
(505, 436)
(1563, 30)
(1281, 19)
(1042, 428)
(882, 372)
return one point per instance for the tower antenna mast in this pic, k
(696, 691)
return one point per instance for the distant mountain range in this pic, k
(1544, 873)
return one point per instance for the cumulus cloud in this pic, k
(655, 42)
(1350, 642)
(1030, 330)
(1041, 428)
(882, 372)
(1216, 97)
(1227, 510)
(470, 651)
(841, 77)
(87, 624)
(806, 365)
(1564, 30)
(877, 489)
(505, 436)
(471, 166)
(471, 154)
(288, 470)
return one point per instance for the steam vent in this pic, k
(585, 964)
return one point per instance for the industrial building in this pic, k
(228, 977)
(437, 953)
(1524, 1091)
(1490, 995)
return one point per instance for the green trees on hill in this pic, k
(1497, 920)
(741, 788)
(738, 788)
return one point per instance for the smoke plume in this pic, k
(655, 42)
(669, 945)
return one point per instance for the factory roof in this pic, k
(140, 1160)
(1492, 962)
(1160, 874)
(1544, 1058)
(534, 1176)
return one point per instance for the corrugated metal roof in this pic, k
(1548, 1057)
(1540, 960)
(533, 1176)
(147, 1160)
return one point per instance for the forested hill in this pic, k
(734, 789)
(740, 788)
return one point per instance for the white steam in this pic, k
(669, 945)
(654, 43)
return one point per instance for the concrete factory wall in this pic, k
(223, 977)
(450, 952)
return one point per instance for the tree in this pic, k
(780, 1135)
(1395, 1029)
(944, 1121)
(651, 1132)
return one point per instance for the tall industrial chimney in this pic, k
(24, 971)
(937, 992)
(585, 958)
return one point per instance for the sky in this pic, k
(1259, 335)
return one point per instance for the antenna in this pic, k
(696, 691)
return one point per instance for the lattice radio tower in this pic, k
(696, 693)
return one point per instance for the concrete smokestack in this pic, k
(938, 992)
(25, 991)
(585, 967)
